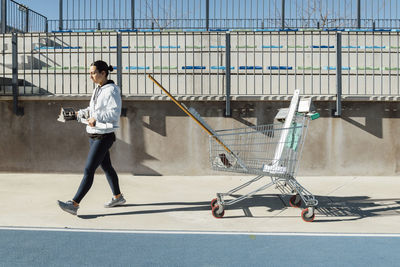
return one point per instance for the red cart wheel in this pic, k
(217, 214)
(214, 202)
(307, 215)
(293, 203)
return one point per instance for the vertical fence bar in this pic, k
(262, 63)
(26, 19)
(23, 63)
(246, 57)
(133, 14)
(14, 41)
(207, 14)
(2, 86)
(3, 16)
(60, 22)
(338, 111)
(283, 14)
(119, 61)
(228, 74)
(359, 14)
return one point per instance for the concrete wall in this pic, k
(156, 138)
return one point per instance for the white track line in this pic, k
(198, 232)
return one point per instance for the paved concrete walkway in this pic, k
(346, 204)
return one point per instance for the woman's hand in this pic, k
(92, 122)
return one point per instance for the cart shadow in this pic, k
(332, 209)
(329, 209)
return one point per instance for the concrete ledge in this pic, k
(370, 98)
(204, 97)
(46, 97)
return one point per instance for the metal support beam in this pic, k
(228, 74)
(133, 13)
(119, 61)
(338, 111)
(119, 70)
(14, 80)
(60, 23)
(26, 20)
(359, 14)
(14, 43)
(207, 15)
(283, 15)
(3, 16)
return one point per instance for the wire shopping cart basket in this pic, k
(271, 150)
(263, 152)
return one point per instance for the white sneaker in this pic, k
(115, 202)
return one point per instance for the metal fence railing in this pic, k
(262, 64)
(218, 24)
(226, 14)
(19, 18)
(83, 15)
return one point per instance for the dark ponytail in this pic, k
(102, 66)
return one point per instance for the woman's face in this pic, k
(97, 77)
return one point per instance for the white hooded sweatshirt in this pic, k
(105, 107)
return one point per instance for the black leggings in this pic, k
(98, 155)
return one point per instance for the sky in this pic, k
(48, 8)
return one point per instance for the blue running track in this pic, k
(58, 247)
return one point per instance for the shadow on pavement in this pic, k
(356, 208)
(329, 209)
(189, 206)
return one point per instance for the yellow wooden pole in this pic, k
(190, 114)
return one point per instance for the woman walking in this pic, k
(105, 107)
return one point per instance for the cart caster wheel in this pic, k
(214, 202)
(293, 203)
(217, 214)
(307, 215)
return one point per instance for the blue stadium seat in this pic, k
(250, 68)
(193, 67)
(169, 46)
(137, 68)
(279, 68)
(220, 68)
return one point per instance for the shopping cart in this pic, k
(265, 153)
(272, 150)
